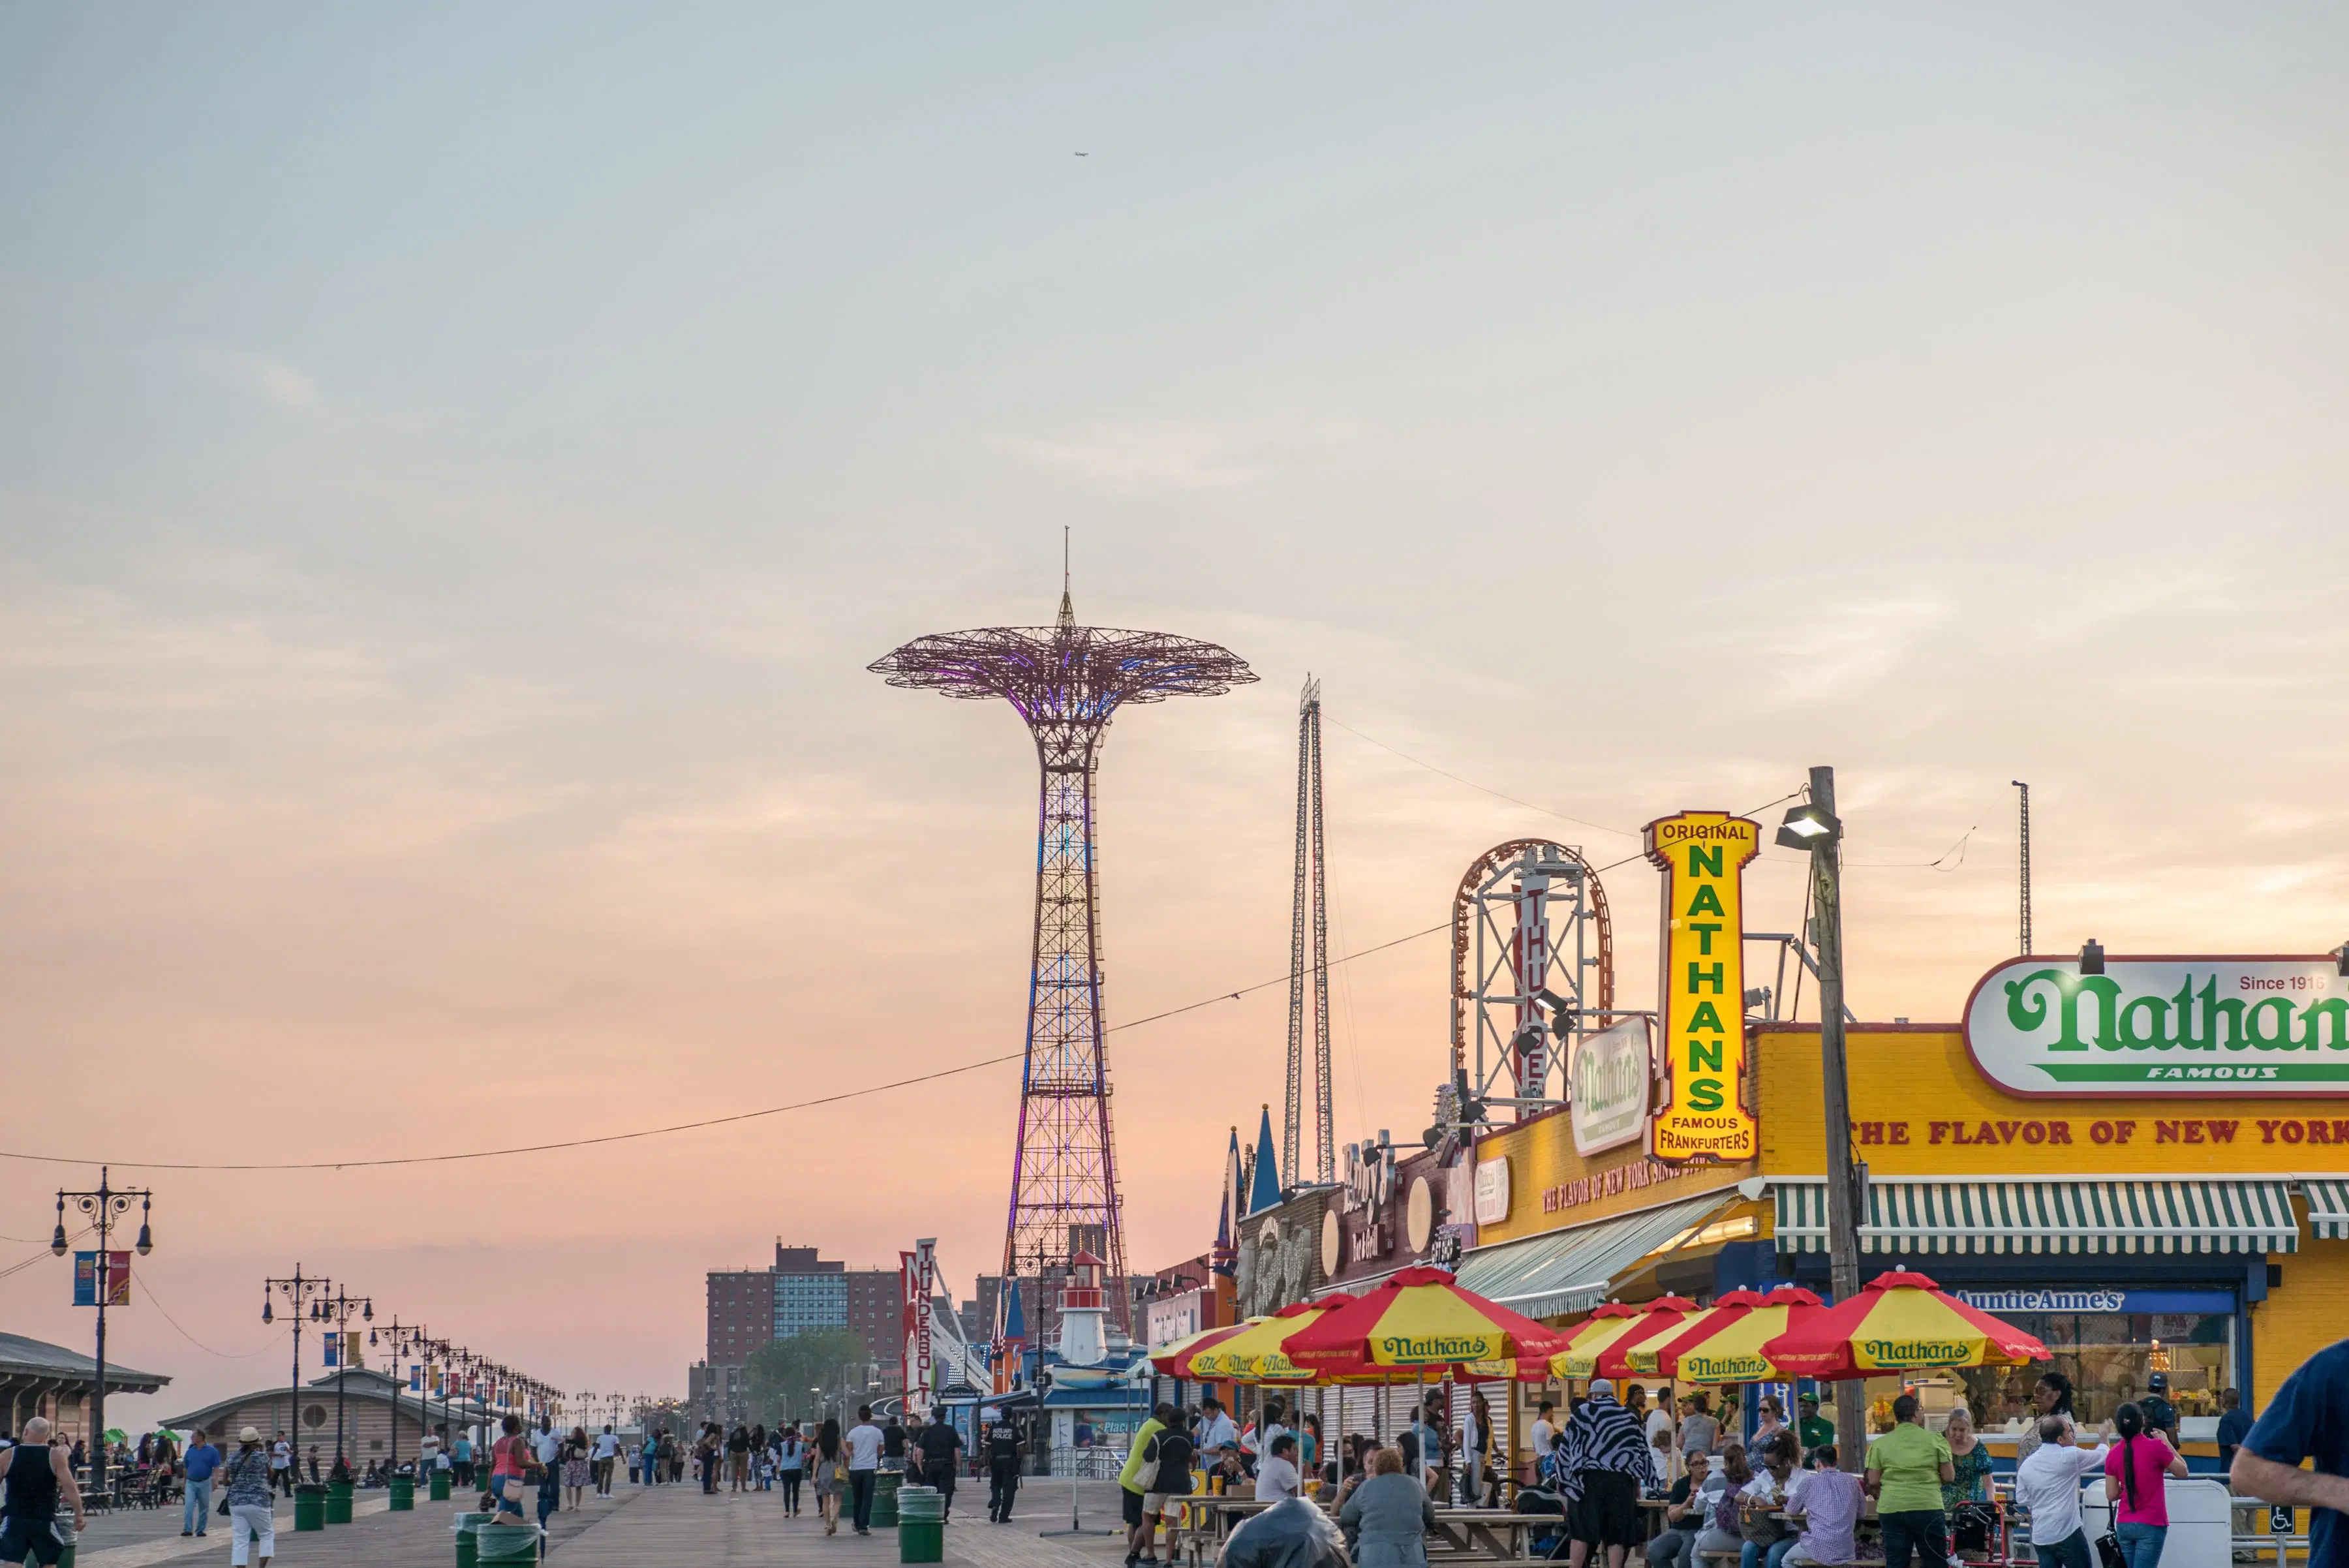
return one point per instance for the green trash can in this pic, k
(403, 1494)
(469, 1540)
(338, 1502)
(884, 1497)
(309, 1506)
(502, 1543)
(440, 1485)
(921, 1524)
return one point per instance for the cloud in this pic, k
(263, 379)
(1178, 455)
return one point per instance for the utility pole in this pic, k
(2026, 865)
(1824, 841)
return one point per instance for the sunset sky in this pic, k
(455, 465)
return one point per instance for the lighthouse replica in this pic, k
(1084, 1327)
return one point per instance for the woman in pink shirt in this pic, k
(2136, 1485)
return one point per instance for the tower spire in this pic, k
(1067, 610)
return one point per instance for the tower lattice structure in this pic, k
(1309, 965)
(1067, 682)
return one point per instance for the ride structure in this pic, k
(1067, 682)
(1533, 972)
(1309, 959)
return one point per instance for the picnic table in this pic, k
(1500, 1534)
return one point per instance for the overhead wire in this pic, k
(559, 1143)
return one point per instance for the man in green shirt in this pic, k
(1906, 1468)
(1138, 1530)
(1815, 1431)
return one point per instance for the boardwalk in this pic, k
(678, 1525)
(666, 1525)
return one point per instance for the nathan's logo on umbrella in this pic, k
(1403, 1348)
(1702, 1368)
(1916, 1352)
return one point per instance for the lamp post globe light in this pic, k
(302, 1293)
(102, 1208)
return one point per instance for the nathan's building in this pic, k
(2147, 1168)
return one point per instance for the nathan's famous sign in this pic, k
(1700, 1000)
(2201, 1026)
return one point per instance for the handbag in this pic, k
(2108, 1551)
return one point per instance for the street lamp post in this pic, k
(1814, 826)
(338, 1309)
(404, 1337)
(302, 1293)
(103, 1208)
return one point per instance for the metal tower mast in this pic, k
(1310, 908)
(2027, 864)
(1067, 682)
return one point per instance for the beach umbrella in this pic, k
(1175, 1360)
(1419, 1319)
(1259, 1352)
(1632, 1353)
(1899, 1321)
(1726, 1344)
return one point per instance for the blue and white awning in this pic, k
(1914, 1217)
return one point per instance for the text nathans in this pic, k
(1701, 994)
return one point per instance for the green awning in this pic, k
(2328, 1207)
(1912, 1217)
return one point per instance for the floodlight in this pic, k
(1808, 827)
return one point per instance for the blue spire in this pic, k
(1266, 1192)
(1224, 1260)
(1015, 1324)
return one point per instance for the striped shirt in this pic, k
(1604, 1436)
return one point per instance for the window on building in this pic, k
(2108, 1357)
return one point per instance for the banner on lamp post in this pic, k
(118, 1279)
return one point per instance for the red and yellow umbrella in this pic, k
(1602, 1328)
(1633, 1352)
(1175, 1360)
(1418, 1319)
(1726, 1344)
(1258, 1353)
(1901, 1320)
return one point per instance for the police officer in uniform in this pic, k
(1003, 1450)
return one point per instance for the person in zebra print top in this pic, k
(1603, 1464)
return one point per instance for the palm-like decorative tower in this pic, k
(1067, 682)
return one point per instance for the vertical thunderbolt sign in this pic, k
(1700, 1004)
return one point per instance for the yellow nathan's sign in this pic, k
(1701, 999)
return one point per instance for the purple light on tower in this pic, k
(1067, 682)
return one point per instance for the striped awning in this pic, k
(1572, 1271)
(2328, 1207)
(2143, 1217)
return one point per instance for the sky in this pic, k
(455, 465)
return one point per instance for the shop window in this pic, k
(2109, 1356)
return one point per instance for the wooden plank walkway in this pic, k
(678, 1525)
(376, 1537)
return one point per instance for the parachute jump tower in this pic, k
(1067, 682)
